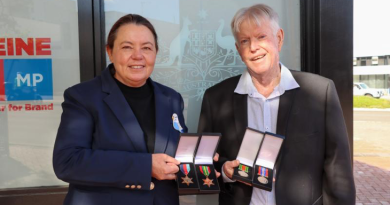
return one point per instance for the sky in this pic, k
(371, 28)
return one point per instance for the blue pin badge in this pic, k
(176, 123)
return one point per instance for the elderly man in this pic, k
(314, 166)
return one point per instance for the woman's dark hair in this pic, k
(129, 19)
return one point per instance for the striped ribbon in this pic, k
(205, 170)
(185, 168)
(243, 168)
(263, 171)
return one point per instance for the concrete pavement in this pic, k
(372, 184)
(372, 156)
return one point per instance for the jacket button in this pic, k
(139, 186)
(133, 186)
(151, 185)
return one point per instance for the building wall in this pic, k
(373, 71)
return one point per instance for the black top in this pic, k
(141, 101)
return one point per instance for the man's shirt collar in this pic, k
(245, 85)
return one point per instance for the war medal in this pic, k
(185, 168)
(205, 170)
(243, 170)
(263, 175)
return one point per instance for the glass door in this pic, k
(39, 59)
(197, 48)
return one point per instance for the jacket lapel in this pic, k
(121, 109)
(163, 119)
(240, 106)
(285, 106)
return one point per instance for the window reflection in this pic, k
(197, 48)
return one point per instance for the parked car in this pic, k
(363, 89)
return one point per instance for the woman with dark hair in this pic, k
(116, 140)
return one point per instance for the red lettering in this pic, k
(21, 45)
(30, 107)
(2, 87)
(14, 107)
(50, 106)
(42, 43)
(2, 47)
(10, 46)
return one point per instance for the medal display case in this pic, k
(186, 179)
(265, 162)
(207, 180)
(247, 155)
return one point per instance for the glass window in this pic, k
(380, 81)
(374, 60)
(375, 81)
(197, 48)
(39, 59)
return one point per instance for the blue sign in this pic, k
(28, 79)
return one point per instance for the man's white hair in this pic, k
(255, 14)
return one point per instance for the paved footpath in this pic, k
(372, 156)
(372, 184)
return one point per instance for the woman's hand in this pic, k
(164, 167)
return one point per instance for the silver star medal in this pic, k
(176, 123)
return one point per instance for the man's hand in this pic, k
(228, 167)
(164, 167)
(216, 158)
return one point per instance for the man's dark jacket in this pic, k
(314, 166)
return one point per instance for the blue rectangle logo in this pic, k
(28, 79)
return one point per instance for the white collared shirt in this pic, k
(262, 115)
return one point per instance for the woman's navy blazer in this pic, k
(100, 148)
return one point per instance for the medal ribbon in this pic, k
(263, 171)
(185, 168)
(243, 168)
(205, 170)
